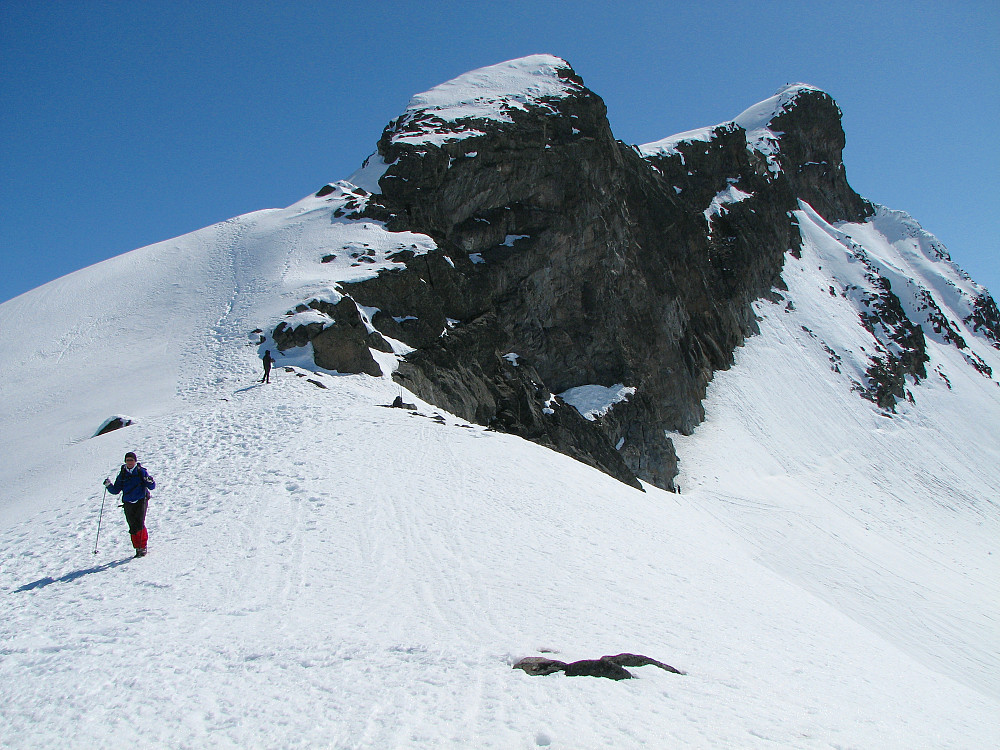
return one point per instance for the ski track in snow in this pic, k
(325, 572)
(313, 583)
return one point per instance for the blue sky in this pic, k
(124, 124)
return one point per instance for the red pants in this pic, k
(139, 539)
(135, 515)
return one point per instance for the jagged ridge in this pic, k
(566, 258)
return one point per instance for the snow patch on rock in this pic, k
(593, 401)
(489, 93)
(723, 198)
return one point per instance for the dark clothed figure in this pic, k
(134, 483)
(268, 361)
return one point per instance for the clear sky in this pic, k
(127, 123)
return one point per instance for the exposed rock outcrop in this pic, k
(562, 258)
(592, 262)
(342, 342)
(610, 667)
(886, 319)
(111, 424)
(986, 317)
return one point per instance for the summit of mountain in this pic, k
(717, 313)
(566, 259)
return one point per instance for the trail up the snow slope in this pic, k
(326, 572)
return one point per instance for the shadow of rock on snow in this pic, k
(611, 667)
(70, 577)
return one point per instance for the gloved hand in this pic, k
(107, 482)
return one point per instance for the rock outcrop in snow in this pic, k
(558, 257)
(610, 667)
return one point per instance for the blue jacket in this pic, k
(134, 485)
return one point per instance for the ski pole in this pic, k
(99, 518)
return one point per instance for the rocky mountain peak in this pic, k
(807, 125)
(559, 260)
(784, 100)
(460, 108)
(795, 136)
(491, 116)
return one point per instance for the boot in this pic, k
(139, 540)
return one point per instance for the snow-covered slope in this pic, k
(327, 572)
(163, 326)
(452, 110)
(893, 519)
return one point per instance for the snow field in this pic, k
(326, 572)
(893, 520)
(164, 325)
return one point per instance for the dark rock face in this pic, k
(888, 371)
(598, 266)
(567, 258)
(812, 145)
(342, 345)
(986, 317)
(483, 386)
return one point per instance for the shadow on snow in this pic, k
(70, 577)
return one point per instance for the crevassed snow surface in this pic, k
(326, 572)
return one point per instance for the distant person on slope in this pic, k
(268, 361)
(134, 482)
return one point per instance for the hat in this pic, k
(129, 455)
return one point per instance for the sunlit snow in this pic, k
(490, 93)
(328, 572)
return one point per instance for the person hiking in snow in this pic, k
(134, 482)
(268, 361)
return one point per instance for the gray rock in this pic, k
(112, 424)
(617, 277)
(638, 660)
(343, 345)
(610, 667)
(597, 668)
(539, 665)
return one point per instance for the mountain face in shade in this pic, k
(566, 259)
